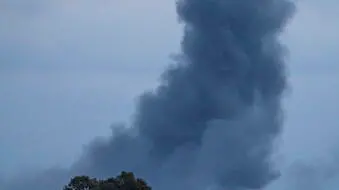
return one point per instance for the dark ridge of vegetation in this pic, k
(124, 181)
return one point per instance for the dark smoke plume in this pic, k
(217, 111)
(214, 118)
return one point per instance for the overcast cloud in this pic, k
(69, 68)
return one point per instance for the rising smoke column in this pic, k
(214, 118)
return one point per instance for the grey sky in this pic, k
(312, 106)
(66, 67)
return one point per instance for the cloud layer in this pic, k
(69, 45)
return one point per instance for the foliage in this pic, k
(125, 181)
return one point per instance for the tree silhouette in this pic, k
(124, 181)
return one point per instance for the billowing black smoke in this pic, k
(213, 119)
(217, 111)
